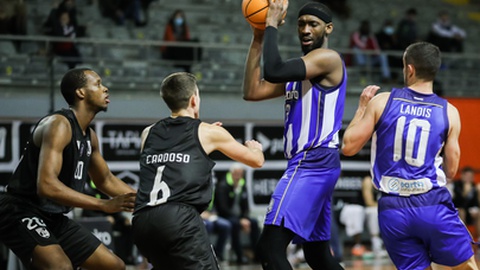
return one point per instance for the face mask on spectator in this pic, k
(178, 21)
(388, 30)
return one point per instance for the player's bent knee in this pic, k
(50, 257)
(102, 259)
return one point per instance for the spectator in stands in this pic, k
(446, 35)
(13, 19)
(66, 49)
(52, 20)
(218, 226)
(361, 208)
(177, 29)
(231, 202)
(388, 42)
(407, 29)
(367, 52)
(122, 10)
(339, 7)
(370, 196)
(466, 199)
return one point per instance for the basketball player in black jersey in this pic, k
(61, 154)
(175, 179)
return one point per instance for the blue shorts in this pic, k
(301, 200)
(421, 229)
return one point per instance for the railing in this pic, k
(137, 65)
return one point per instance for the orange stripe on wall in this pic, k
(469, 109)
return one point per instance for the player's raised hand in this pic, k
(124, 202)
(277, 10)
(367, 94)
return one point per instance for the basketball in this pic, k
(255, 12)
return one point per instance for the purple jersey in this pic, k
(313, 115)
(407, 142)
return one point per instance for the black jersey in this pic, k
(173, 166)
(74, 172)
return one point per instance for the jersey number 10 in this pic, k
(413, 127)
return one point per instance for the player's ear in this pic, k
(80, 92)
(193, 101)
(410, 70)
(329, 28)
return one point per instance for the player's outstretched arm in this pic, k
(213, 137)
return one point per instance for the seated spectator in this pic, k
(367, 52)
(122, 10)
(220, 227)
(177, 30)
(466, 199)
(66, 49)
(339, 7)
(64, 6)
(388, 42)
(446, 35)
(370, 196)
(231, 202)
(355, 212)
(407, 30)
(13, 19)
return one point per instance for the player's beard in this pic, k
(318, 43)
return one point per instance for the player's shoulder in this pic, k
(326, 52)
(381, 97)
(54, 121)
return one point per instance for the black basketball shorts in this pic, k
(23, 227)
(172, 236)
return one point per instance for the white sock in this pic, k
(376, 243)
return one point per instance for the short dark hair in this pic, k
(411, 11)
(425, 57)
(467, 169)
(71, 81)
(177, 89)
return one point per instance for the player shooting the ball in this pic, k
(314, 87)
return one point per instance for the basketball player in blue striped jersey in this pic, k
(415, 150)
(314, 88)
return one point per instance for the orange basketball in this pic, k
(255, 12)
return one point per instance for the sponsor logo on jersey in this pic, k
(405, 187)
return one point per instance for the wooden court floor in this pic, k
(349, 264)
(353, 264)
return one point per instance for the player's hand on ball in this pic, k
(277, 11)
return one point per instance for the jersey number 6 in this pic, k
(160, 191)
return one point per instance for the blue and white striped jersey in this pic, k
(313, 115)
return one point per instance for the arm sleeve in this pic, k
(274, 69)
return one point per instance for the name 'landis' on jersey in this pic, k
(416, 111)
